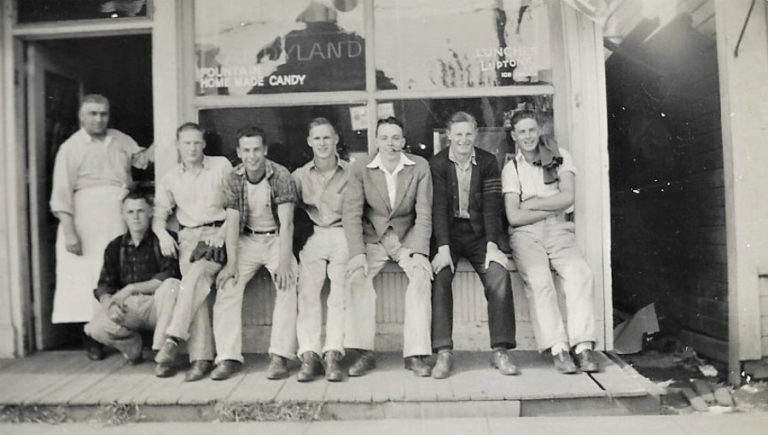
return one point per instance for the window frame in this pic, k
(371, 95)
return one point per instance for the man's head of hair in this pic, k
(461, 116)
(522, 114)
(138, 195)
(316, 122)
(391, 120)
(94, 98)
(252, 131)
(189, 126)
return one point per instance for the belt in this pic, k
(259, 233)
(214, 224)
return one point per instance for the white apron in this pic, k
(97, 221)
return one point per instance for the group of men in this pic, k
(395, 206)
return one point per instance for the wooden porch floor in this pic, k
(67, 378)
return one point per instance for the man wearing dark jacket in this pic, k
(466, 220)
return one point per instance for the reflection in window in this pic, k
(260, 46)
(425, 121)
(433, 44)
(286, 129)
(32, 11)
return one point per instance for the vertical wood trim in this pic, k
(744, 118)
(580, 97)
(15, 332)
(370, 72)
(167, 81)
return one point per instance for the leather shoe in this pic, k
(417, 365)
(332, 368)
(564, 363)
(587, 360)
(167, 353)
(444, 364)
(164, 370)
(277, 367)
(365, 363)
(501, 360)
(199, 369)
(225, 369)
(310, 367)
(93, 349)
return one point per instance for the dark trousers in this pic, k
(498, 291)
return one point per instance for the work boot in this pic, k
(93, 349)
(332, 368)
(165, 370)
(278, 369)
(417, 365)
(169, 350)
(444, 364)
(225, 369)
(199, 369)
(310, 367)
(501, 360)
(364, 363)
(587, 360)
(564, 363)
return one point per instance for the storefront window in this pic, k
(33, 11)
(425, 121)
(286, 130)
(260, 46)
(436, 44)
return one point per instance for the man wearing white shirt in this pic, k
(388, 215)
(91, 175)
(195, 190)
(538, 186)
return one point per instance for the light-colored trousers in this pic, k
(324, 252)
(361, 305)
(142, 313)
(534, 248)
(253, 252)
(191, 320)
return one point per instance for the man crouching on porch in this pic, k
(137, 286)
(387, 214)
(538, 186)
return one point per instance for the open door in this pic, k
(54, 88)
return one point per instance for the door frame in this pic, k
(17, 334)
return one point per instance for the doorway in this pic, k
(58, 73)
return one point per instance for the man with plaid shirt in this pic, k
(260, 202)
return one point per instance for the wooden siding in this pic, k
(470, 311)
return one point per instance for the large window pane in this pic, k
(425, 120)
(260, 46)
(434, 44)
(286, 129)
(32, 11)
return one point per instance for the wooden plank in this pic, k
(615, 381)
(35, 372)
(294, 391)
(117, 387)
(61, 391)
(255, 387)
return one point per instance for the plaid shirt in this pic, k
(282, 190)
(126, 264)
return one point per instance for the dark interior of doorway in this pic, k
(120, 68)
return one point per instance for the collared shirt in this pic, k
(527, 179)
(126, 263)
(391, 177)
(464, 177)
(197, 194)
(84, 161)
(260, 206)
(282, 190)
(322, 199)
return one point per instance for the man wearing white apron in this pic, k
(91, 174)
